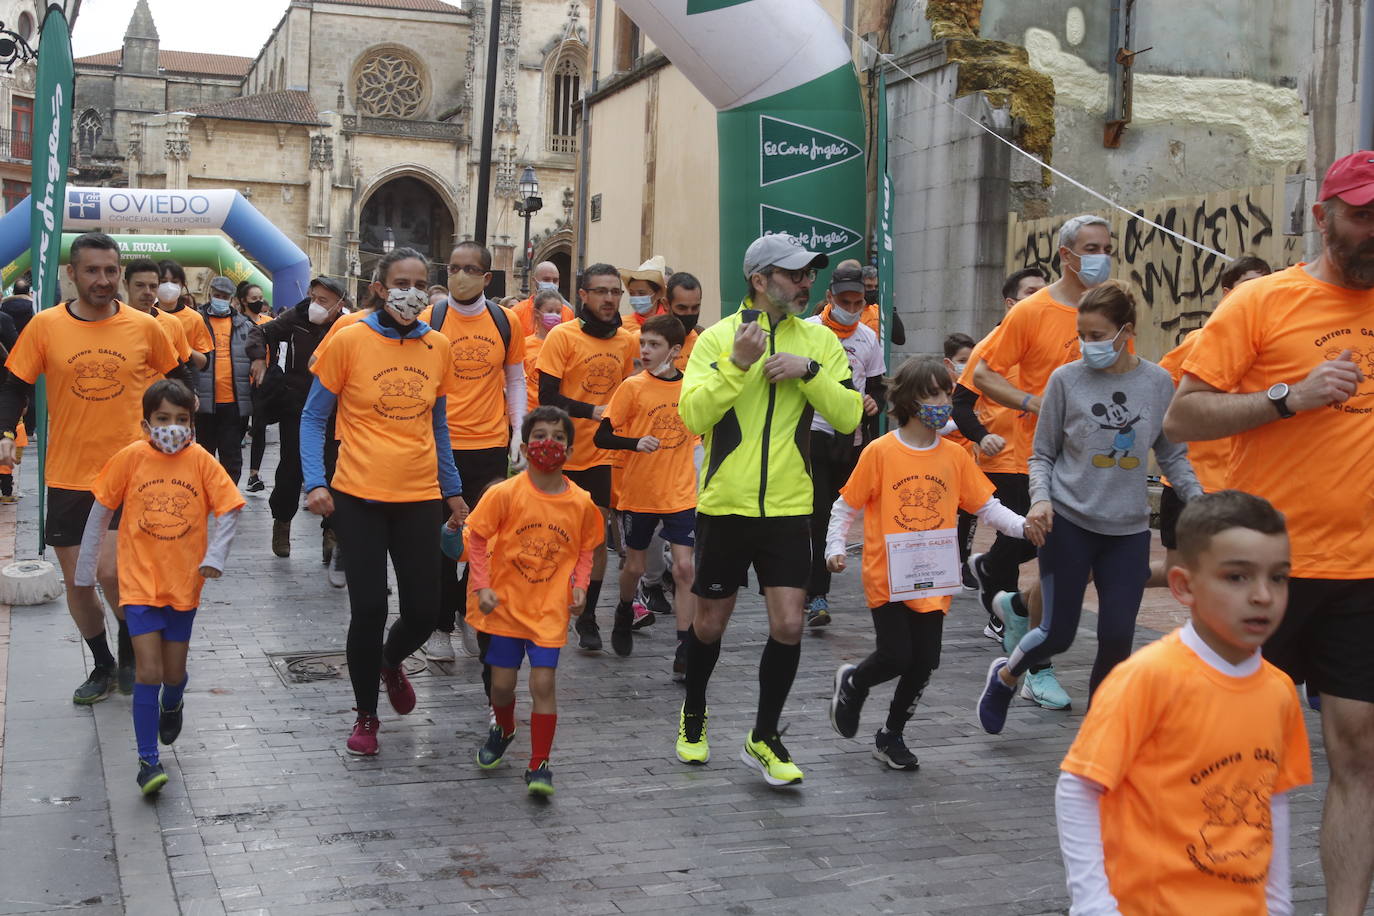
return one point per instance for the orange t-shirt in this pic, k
(96, 374)
(872, 316)
(663, 481)
(1190, 758)
(535, 539)
(386, 390)
(222, 329)
(477, 397)
(591, 368)
(998, 420)
(533, 345)
(344, 320)
(176, 334)
(525, 312)
(680, 362)
(1210, 457)
(261, 317)
(1277, 329)
(163, 532)
(901, 489)
(193, 323)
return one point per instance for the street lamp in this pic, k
(388, 241)
(530, 205)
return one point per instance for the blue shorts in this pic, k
(678, 528)
(175, 625)
(509, 651)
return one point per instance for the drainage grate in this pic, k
(297, 668)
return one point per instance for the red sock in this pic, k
(505, 717)
(542, 725)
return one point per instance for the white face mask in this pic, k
(545, 284)
(170, 439)
(169, 293)
(642, 304)
(843, 317)
(405, 305)
(317, 313)
(958, 369)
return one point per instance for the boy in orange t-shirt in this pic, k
(542, 529)
(910, 485)
(659, 488)
(167, 486)
(1173, 797)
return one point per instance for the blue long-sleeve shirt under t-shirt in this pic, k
(321, 403)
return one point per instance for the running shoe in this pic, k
(995, 700)
(281, 538)
(692, 746)
(622, 636)
(439, 647)
(336, 569)
(169, 724)
(643, 617)
(588, 633)
(398, 689)
(846, 702)
(151, 777)
(255, 484)
(891, 749)
(1042, 688)
(969, 580)
(363, 741)
(1015, 626)
(96, 688)
(976, 570)
(539, 781)
(993, 628)
(817, 611)
(469, 638)
(655, 600)
(490, 753)
(771, 759)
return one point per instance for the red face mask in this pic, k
(547, 454)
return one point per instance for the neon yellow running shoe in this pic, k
(771, 759)
(691, 738)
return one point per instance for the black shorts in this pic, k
(1169, 508)
(67, 513)
(596, 480)
(779, 549)
(1327, 635)
(478, 467)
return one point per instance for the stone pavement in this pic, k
(266, 814)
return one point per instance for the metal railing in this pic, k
(16, 144)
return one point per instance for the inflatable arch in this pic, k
(158, 208)
(212, 251)
(789, 120)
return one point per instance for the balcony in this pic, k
(16, 145)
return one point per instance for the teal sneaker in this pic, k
(1015, 625)
(1042, 688)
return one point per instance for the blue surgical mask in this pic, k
(545, 284)
(848, 319)
(220, 308)
(642, 304)
(1094, 269)
(934, 415)
(1100, 354)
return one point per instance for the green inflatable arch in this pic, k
(212, 251)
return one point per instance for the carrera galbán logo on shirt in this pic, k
(921, 496)
(1360, 343)
(667, 426)
(1236, 833)
(400, 392)
(602, 373)
(472, 357)
(164, 507)
(540, 544)
(96, 374)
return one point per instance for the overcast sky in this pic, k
(212, 26)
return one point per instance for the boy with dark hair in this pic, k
(1173, 797)
(658, 487)
(544, 529)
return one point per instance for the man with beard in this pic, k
(1282, 366)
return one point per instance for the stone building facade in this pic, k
(16, 99)
(357, 124)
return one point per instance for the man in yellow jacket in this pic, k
(752, 385)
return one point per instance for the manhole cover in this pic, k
(296, 668)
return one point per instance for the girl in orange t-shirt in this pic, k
(542, 529)
(548, 314)
(167, 486)
(910, 486)
(387, 374)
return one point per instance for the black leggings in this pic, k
(409, 533)
(221, 434)
(832, 461)
(1003, 561)
(908, 649)
(476, 467)
(258, 447)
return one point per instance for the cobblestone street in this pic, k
(266, 814)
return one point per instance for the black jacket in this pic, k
(293, 328)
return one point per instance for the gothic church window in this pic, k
(390, 84)
(88, 129)
(567, 80)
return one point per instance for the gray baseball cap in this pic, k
(222, 285)
(779, 249)
(847, 280)
(334, 286)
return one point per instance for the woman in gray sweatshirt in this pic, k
(1088, 493)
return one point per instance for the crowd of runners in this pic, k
(487, 453)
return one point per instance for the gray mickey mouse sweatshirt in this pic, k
(1089, 456)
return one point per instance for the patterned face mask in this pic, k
(405, 305)
(547, 454)
(934, 416)
(170, 439)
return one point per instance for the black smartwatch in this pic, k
(1278, 396)
(813, 369)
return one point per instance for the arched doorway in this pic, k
(417, 217)
(556, 248)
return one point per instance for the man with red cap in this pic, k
(1283, 365)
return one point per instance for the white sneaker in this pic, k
(336, 570)
(439, 647)
(469, 638)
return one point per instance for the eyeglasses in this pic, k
(472, 270)
(806, 274)
(611, 291)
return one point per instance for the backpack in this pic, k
(498, 317)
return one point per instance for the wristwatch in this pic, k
(1278, 396)
(813, 369)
